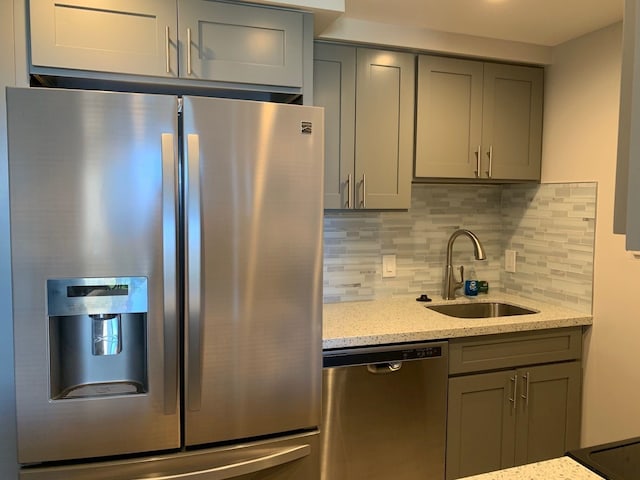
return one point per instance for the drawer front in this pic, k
(492, 352)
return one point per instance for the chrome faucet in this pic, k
(450, 285)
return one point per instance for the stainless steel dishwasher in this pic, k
(384, 412)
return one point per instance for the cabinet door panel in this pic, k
(116, 36)
(384, 128)
(549, 412)
(449, 119)
(334, 88)
(512, 121)
(240, 43)
(480, 424)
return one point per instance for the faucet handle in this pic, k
(461, 273)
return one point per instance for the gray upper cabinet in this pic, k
(368, 97)
(478, 120)
(190, 39)
(334, 86)
(240, 43)
(133, 37)
(449, 118)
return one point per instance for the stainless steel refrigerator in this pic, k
(166, 268)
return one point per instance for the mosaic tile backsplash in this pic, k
(550, 226)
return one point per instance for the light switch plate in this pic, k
(388, 266)
(510, 260)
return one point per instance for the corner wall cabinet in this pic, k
(480, 121)
(526, 411)
(368, 96)
(188, 39)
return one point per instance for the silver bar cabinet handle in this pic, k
(349, 191)
(169, 249)
(525, 395)
(478, 173)
(489, 171)
(193, 280)
(364, 191)
(188, 51)
(514, 398)
(245, 467)
(167, 51)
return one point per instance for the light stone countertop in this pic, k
(403, 319)
(563, 468)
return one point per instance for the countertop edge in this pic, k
(402, 320)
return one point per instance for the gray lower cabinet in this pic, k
(368, 96)
(189, 39)
(478, 121)
(512, 416)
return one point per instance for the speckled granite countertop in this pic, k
(402, 319)
(563, 468)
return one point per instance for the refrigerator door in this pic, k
(254, 212)
(93, 220)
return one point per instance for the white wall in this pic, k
(582, 90)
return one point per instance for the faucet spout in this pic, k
(450, 285)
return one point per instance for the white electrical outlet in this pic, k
(388, 266)
(510, 260)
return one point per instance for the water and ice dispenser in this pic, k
(97, 336)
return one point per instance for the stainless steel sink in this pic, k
(480, 310)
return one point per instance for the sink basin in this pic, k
(480, 310)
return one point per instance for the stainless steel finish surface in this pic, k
(363, 202)
(84, 202)
(480, 309)
(478, 154)
(167, 52)
(170, 278)
(490, 154)
(450, 285)
(293, 457)
(193, 273)
(525, 396)
(189, 70)
(384, 426)
(93, 296)
(261, 282)
(106, 334)
(514, 393)
(349, 192)
(97, 196)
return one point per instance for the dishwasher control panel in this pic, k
(391, 353)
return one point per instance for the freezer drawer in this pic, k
(294, 457)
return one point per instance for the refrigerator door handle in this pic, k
(245, 467)
(193, 284)
(169, 229)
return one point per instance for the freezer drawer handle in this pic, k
(244, 468)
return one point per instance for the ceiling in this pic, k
(540, 22)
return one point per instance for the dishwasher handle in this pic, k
(384, 368)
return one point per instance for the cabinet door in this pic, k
(480, 423)
(385, 93)
(449, 118)
(120, 36)
(548, 411)
(334, 88)
(240, 43)
(512, 122)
